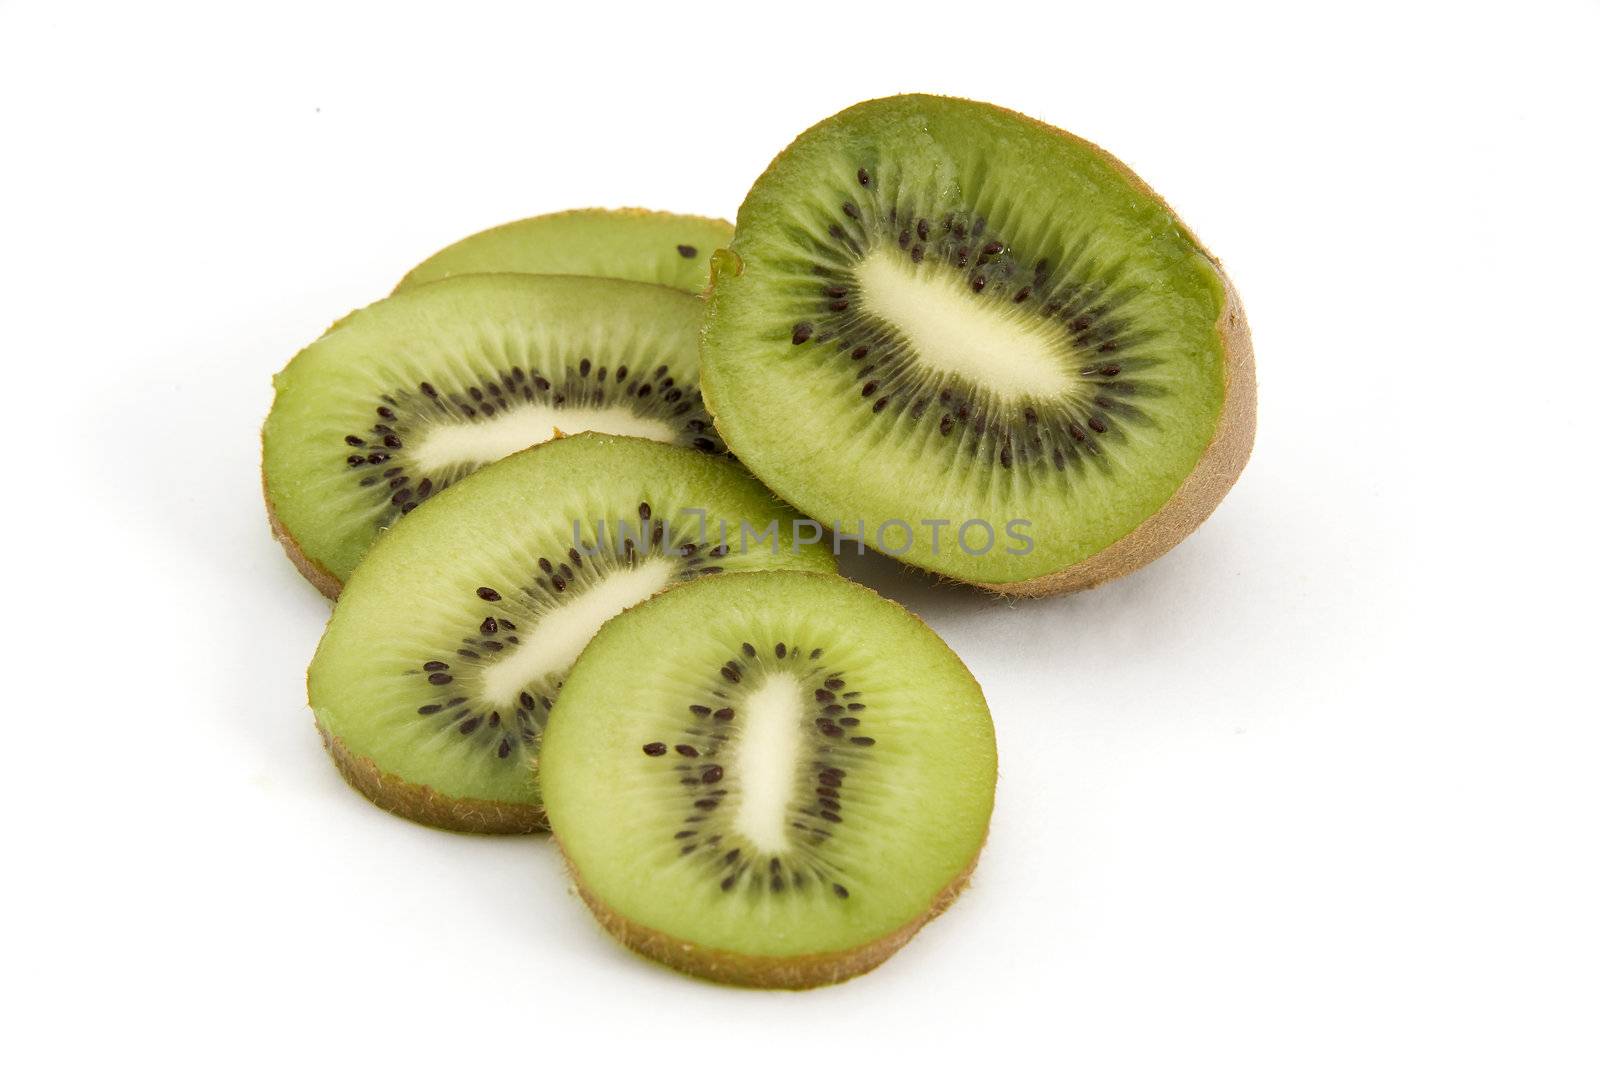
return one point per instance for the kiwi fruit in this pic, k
(981, 343)
(769, 778)
(437, 672)
(416, 391)
(632, 244)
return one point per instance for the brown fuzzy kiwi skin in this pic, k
(320, 578)
(797, 973)
(1219, 465)
(426, 806)
(1199, 494)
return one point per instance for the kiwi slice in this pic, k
(632, 244)
(420, 389)
(981, 343)
(769, 778)
(437, 672)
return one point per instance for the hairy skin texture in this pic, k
(321, 579)
(795, 973)
(426, 806)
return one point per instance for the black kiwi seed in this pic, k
(863, 177)
(488, 595)
(802, 332)
(688, 251)
(655, 750)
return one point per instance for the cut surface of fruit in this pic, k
(632, 244)
(439, 667)
(769, 778)
(418, 390)
(981, 344)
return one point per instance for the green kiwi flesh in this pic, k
(418, 390)
(444, 655)
(770, 779)
(980, 341)
(632, 244)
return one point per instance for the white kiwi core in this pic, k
(554, 643)
(765, 761)
(986, 342)
(480, 442)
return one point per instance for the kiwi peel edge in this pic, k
(321, 579)
(1201, 491)
(795, 973)
(422, 804)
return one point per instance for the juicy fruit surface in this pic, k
(635, 245)
(447, 648)
(939, 311)
(770, 765)
(418, 390)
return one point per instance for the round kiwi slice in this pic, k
(433, 681)
(981, 343)
(420, 389)
(769, 778)
(631, 243)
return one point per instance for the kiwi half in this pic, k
(981, 343)
(631, 243)
(770, 779)
(435, 677)
(416, 391)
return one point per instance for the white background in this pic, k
(1320, 785)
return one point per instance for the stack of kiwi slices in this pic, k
(572, 485)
